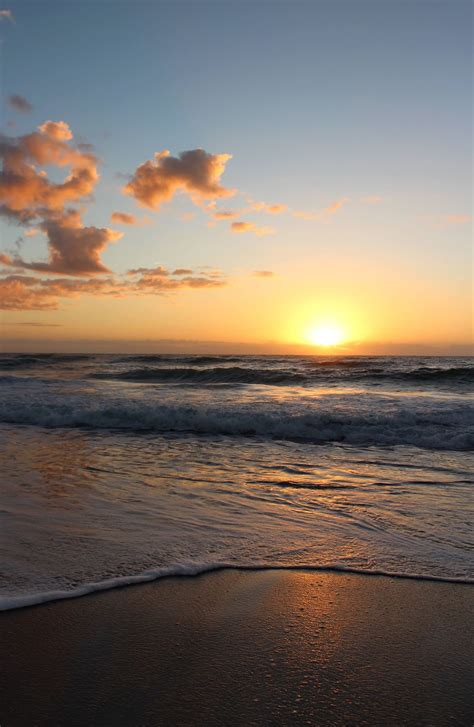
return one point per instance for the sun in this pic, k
(327, 334)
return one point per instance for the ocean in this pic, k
(118, 469)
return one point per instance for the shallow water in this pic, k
(110, 476)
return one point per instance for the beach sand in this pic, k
(244, 648)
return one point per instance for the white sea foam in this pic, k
(91, 510)
(8, 603)
(352, 416)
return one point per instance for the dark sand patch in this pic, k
(244, 648)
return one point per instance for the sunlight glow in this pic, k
(327, 334)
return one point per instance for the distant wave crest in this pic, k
(286, 376)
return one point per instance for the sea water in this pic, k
(123, 468)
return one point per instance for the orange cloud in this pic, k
(23, 292)
(324, 214)
(20, 103)
(195, 172)
(251, 227)
(123, 218)
(272, 209)
(28, 195)
(6, 15)
(25, 191)
(448, 220)
(159, 279)
(263, 274)
(225, 214)
(276, 209)
(304, 215)
(58, 130)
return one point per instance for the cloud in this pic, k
(325, 214)
(195, 172)
(225, 214)
(24, 292)
(275, 209)
(35, 324)
(159, 279)
(58, 130)
(272, 209)
(20, 103)
(73, 248)
(28, 195)
(123, 218)
(304, 215)
(25, 191)
(21, 292)
(7, 15)
(263, 274)
(448, 220)
(240, 227)
(332, 209)
(371, 199)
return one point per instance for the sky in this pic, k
(236, 175)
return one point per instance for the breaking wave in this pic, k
(425, 425)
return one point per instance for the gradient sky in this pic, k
(357, 114)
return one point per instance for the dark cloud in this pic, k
(20, 103)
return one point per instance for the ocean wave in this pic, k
(194, 360)
(21, 361)
(8, 603)
(375, 422)
(285, 376)
(426, 374)
(214, 375)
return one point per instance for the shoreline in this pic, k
(244, 647)
(185, 571)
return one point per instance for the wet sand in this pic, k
(244, 648)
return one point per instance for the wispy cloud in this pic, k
(225, 214)
(263, 274)
(450, 220)
(7, 15)
(20, 103)
(25, 292)
(33, 324)
(371, 199)
(240, 227)
(271, 209)
(123, 218)
(323, 215)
